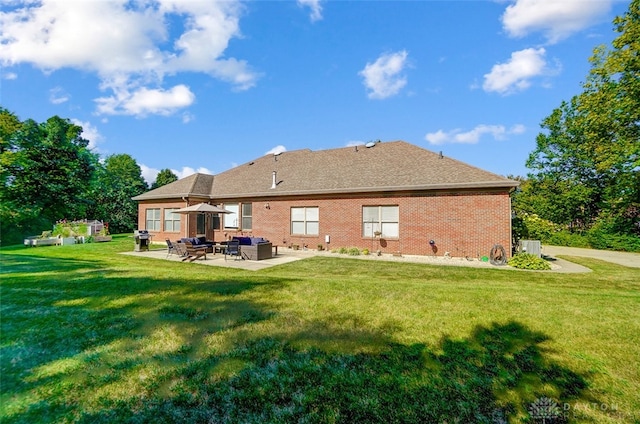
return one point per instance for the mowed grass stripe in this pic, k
(89, 335)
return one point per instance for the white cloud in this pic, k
(9, 75)
(58, 96)
(90, 133)
(149, 174)
(144, 101)
(187, 170)
(276, 150)
(383, 78)
(439, 137)
(354, 143)
(316, 9)
(129, 45)
(187, 117)
(498, 132)
(516, 74)
(557, 19)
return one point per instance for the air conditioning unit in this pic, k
(532, 247)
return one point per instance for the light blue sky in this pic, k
(204, 86)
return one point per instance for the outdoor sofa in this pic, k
(198, 243)
(255, 248)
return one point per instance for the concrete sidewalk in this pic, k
(621, 258)
(286, 255)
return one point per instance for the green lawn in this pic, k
(90, 335)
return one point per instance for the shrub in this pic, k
(565, 238)
(600, 236)
(354, 251)
(343, 250)
(539, 228)
(600, 239)
(365, 251)
(528, 261)
(70, 229)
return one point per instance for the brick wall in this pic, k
(161, 236)
(464, 224)
(461, 223)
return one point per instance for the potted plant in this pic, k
(64, 233)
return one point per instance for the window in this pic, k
(383, 219)
(231, 219)
(247, 220)
(215, 222)
(171, 220)
(153, 220)
(305, 221)
(200, 223)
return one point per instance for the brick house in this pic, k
(388, 196)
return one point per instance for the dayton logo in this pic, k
(545, 409)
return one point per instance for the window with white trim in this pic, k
(305, 221)
(171, 220)
(380, 221)
(231, 219)
(152, 219)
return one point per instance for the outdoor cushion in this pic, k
(250, 241)
(244, 241)
(193, 240)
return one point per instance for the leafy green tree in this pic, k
(586, 165)
(118, 181)
(45, 171)
(164, 177)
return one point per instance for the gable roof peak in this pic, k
(194, 185)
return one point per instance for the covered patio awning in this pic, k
(201, 208)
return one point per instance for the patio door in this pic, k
(207, 224)
(201, 224)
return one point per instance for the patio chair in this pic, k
(233, 249)
(171, 248)
(181, 249)
(194, 252)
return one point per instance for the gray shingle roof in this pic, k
(195, 185)
(388, 166)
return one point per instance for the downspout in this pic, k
(510, 252)
(187, 202)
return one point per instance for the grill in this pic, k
(142, 239)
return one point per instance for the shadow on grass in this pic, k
(70, 327)
(80, 346)
(494, 376)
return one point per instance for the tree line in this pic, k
(584, 185)
(48, 174)
(583, 188)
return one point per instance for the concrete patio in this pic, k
(284, 256)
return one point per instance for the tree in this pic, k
(164, 177)
(586, 166)
(46, 170)
(118, 181)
